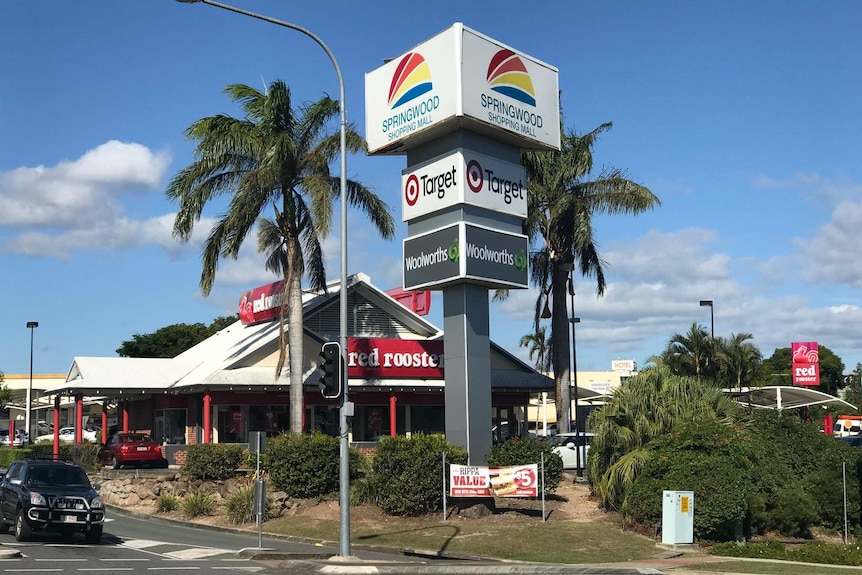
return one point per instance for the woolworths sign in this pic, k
(465, 252)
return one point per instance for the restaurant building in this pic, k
(226, 386)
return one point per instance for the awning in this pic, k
(786, 397)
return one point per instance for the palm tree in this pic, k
(649, 405)
(738, 360)
(539, 345)
(274, 161)
(561, 203)
(690, 353)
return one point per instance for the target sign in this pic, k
(411, 190)
(474, 176)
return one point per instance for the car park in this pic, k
(51, 496)
(132, 448)
(563, 444)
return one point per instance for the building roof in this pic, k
(230, 358)
(785, 397)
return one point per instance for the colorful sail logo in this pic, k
(411, 79)
(507, 75)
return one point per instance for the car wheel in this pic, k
(114, 463)
(22, 528)
(94, 535)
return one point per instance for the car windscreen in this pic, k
(58, 477)
(135, 438)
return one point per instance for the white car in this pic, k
(564, 446)
(20, 437)
(67, 434)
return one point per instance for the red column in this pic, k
(11, 432)
(105, 422)
(125, 416)
(57, 427)
(392, 402)
(208, 427)
(79, 415)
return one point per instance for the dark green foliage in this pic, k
(86, 454)
(707, 458)
(171, 340)
(10, 454)
(408, 473)
(212, 461)
(793, 512)
(808, 553)
(306, 466)
(526, 451)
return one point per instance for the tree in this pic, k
(650, 405)
(172, 340)
(738, 361)
(539, 345)
(690, 353)
(561, 202)
(274, 161)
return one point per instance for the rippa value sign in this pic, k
(463, 177)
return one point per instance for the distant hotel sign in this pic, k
(461, 78)
(805, 363)
(623, 365)
(463, 177)
(465, 252)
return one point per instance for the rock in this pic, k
(476, 511)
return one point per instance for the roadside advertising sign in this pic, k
(473, 481)
(463, 177)
(805, 363)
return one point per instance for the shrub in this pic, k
(307, 465)
(198, 504)
(165, 503)
(793, 512)
(527, 451)
(212, 461)
(408, 473)
(707, 458)
(9, 454)
(239, 507)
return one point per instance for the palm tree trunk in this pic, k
(295, 339)
(560, 351)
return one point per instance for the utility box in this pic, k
(677, 518)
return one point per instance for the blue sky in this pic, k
(743, 117)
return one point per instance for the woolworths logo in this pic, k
(473, 251)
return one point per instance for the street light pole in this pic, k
(575, 321)
(344, 444)
(708, 303)
(31, 325)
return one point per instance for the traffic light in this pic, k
(331, 373)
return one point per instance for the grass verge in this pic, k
(552, 542)
(769, 568)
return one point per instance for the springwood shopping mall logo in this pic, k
(453, 253)
(411, 84)
(507, 75)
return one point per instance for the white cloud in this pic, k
(81, 193)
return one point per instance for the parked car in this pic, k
(50, 496)
(131, 448)
(564, 446)
(67, 434)
(854, 440)
(20, 437)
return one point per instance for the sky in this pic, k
(742, 117)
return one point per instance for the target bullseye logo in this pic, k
(474, 176)
(411, 190)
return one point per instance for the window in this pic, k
(169, 426)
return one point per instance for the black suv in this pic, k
(55, 496)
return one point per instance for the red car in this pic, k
(132, 448)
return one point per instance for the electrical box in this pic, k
(677, 518)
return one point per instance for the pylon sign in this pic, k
(463, 177)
